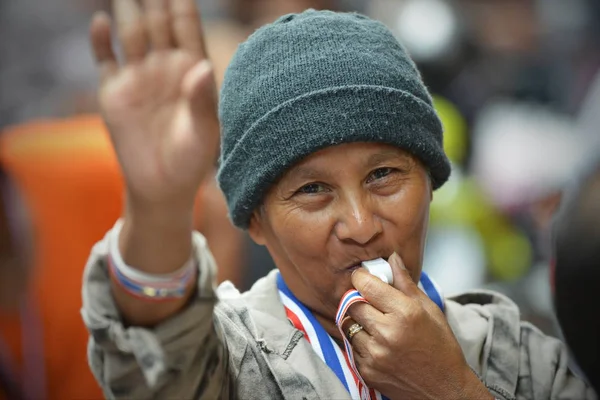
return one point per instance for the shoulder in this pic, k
(254, 323)
(477, 317)
(510, 355)
(256, 311)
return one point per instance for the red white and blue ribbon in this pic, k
(341, 361)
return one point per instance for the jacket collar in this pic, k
(486, 325)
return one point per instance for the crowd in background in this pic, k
(509, 78)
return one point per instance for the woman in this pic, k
(330, 152)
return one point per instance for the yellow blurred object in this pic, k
(455, 129)
(460, 202)
(509, 254)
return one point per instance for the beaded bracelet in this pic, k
(151, 287)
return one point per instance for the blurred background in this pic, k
(513, 81)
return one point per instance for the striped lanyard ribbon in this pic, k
(340, 361)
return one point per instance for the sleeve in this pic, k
(184, 357)
(544, 369)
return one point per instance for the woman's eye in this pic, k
(312, 188)
(380, 173)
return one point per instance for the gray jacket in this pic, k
(242, 346)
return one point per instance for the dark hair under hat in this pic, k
(313, 80)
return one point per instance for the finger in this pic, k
(359, 339)
(402, 279)
(366, 315)
(382, 296)
(364, 361)
(199, 88)
(158, 24)
(186, 26)
(131, 29)
(102, 45)
(360, 343)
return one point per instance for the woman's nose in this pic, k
(358, 222)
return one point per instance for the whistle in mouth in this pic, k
(380, 268)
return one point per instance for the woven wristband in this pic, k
(151, 287)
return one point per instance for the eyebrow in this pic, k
(307, 173)
(380, 158)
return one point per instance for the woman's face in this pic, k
(338, 207)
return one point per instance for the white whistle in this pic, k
(380, 268)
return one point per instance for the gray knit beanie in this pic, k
(313, 80)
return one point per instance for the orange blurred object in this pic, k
(72, 187)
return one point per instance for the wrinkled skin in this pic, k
(356, 202)
(338, 207)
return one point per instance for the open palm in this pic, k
(160, 103)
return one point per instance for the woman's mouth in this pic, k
(358, 265)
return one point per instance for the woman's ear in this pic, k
(256, 230)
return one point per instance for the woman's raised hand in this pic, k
(159, 101)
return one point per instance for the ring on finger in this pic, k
(354, 329)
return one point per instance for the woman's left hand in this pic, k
(407, 349)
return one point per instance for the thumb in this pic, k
(402, 278)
